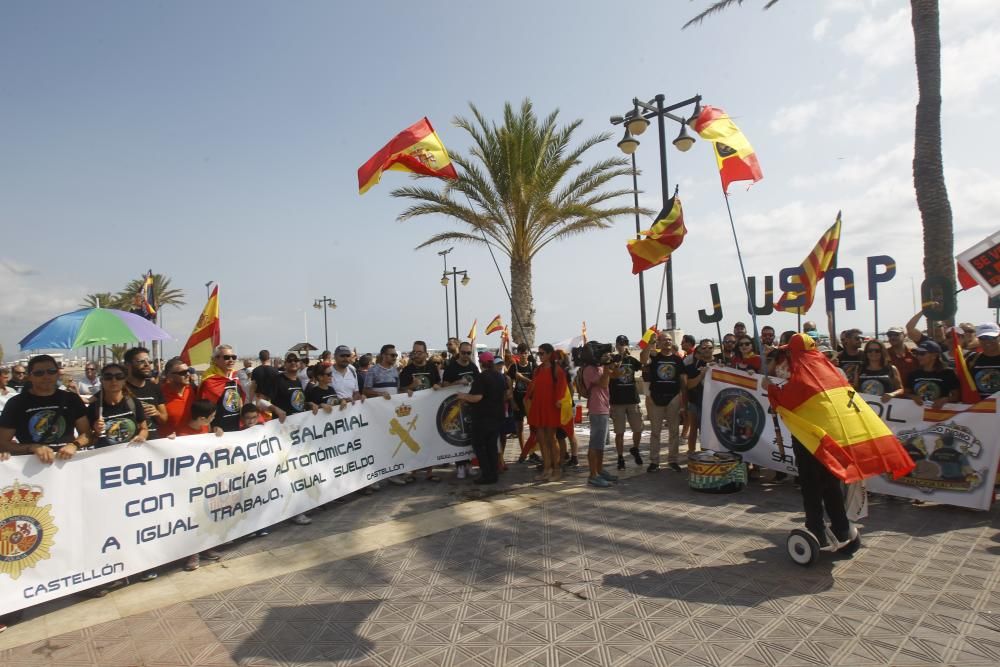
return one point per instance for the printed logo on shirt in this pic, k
(231, 400)
(298, 400)
(120, 430)
(737, 419)
(666, 372)
(26, 530)
(988, 380)
(46, 425)
(871, 386)
(928, 390)
(454, 423)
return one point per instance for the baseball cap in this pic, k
(928, 345)
(896, 330)
(987, 330)
(486, 357)
(621, 340)
(342, 349)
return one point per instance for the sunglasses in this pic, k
(18, 372)
(343, 356)
(465, 353)
(729, 342)
(291, 361)
(43, 373)
(874, 350)
(746, 344)
(183, 372)
(893, 334)
(142, 362)
(112, 376)
(228, 357)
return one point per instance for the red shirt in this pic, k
(185, 429)
(905, 363)
(178, 407)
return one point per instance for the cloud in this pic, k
(860, 170)
(846, 116)
(796, 118)
(819, 30)
(881, 42)
(970, 65)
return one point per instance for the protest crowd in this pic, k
(140, 399)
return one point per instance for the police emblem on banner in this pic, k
(26, 529)
(737, 419)
(454, 423)
(945, 455)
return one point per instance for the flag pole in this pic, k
(743, 272)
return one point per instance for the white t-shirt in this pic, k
(345, 385)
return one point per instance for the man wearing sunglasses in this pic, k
(345, 377)
(461, 370)
(90, 384)
(140, 372)
(18, 377)
(222, 388)
(43, 417)
(985, 364)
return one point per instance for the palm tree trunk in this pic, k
(928, 166)
(522, 302)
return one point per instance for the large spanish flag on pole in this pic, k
(206, 334)
(733, 153)
(832, 421)
(417, 149)
(822, 257)
(665, 236)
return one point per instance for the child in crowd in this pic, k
(202, 414)
(250, 416)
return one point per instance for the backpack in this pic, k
(582, 390)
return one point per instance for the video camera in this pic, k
(592, 353)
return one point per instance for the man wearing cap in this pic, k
(985, 364)
(664, 373)
(458, 371)
(486, 399)
(345, 376)
(625, 401)
(899, 354)
(931, 383)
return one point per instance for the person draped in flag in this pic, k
(221, 387)
(835, 437)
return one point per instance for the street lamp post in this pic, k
(455, 273)
(323, 304)
(444, 282)
(636, 121)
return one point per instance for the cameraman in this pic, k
(625, 400)
(594, 380)
(664, 373)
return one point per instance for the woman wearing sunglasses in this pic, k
(115, 415)
(745, 357)
(877, 376)
(46, 421)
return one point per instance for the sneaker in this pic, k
(535, 458)
(608, 476)
(572, 463)
(674, 467)
(148, 575)
(521, 459)
(461, 471)
(263, 532)
(634, 451)
(398, 481)
(192, 563)
(621, 463)
(211, 554)
(599, 481)
(653, 467)
(301, 520)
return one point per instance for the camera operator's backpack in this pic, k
(582, 390)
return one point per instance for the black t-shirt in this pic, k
(851, 363)
(426, 376)
(527, 370)
(148, 393)
(931, 385)
(986, 374)
(455, 372)
(43, 419)
(318, 396)
(622, 390)
(875, 382)
(491, 386)
(263, 377)
(121, 421)
(664, 373)
(288, 394)
(692, 370)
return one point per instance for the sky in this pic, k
(220, 142)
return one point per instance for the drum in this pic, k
(716, 472)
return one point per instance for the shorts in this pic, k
(598, 432)
(629, 411)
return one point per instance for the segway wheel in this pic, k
(802, 547)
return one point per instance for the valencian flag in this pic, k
(665, 236)
(147, 297)
(735, 156)
(495, 325)
(822, 257)
(965, 382)
(206, 334)
(416, 149)
(832, 421)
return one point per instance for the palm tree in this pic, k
(102, 300)
(164, 296)
(928, 163)
(518, 194)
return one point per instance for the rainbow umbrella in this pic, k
(92, 326)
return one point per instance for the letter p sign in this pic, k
(875, 263)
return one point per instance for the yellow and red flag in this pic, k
(665, 236)
(472, 331)
(969, 393)
(735, 156)
(417, 149)
(647, 338)
(822, 257)
(495, 325)
(832, 421)
(206, 334)
(148, 297)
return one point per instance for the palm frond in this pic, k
(719, 6)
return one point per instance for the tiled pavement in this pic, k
(647, 573)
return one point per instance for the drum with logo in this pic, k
(716, 472)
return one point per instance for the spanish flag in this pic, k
(822, 257)
(832, 421)
(472, 331)
(735, 156)
(206, 334)
(647, 338)
(495, 325)
(665, 236)
(417, 149)
(965, 382)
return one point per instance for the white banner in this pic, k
(956, 448)
(109, 513)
